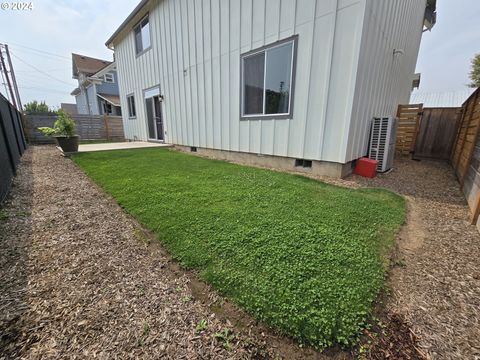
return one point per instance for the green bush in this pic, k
(63, 126)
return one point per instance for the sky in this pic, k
(55, 29)
(45, 37)
(446, 51)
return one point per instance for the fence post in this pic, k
(12, 119)
(21, 123)
(5, 140)
(105, 120)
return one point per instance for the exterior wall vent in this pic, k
(303, 163)
(193, 149)
(382, 142)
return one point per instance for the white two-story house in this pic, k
(273, 82)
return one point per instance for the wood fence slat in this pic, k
(409, 117)
(95, 127)
(471, 137)
(465, 156)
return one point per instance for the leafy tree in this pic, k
(35, 107)
(475, 72)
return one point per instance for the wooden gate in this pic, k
(409, 117)
(437, 132)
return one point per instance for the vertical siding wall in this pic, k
(384, 81)
(195, 58)
(109, 88)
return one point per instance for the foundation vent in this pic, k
(303, 163)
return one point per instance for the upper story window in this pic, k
(109, 78)
(267, 81)
(142, 36)
(132, 112)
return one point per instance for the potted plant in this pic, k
(64, 132)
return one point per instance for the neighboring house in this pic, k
(69, 108)
(441, 99)
(97, 91)
(273, 82)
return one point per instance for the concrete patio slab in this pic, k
(119, 146)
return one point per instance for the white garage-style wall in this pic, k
(195, 58)
(346, 72)
(384, 79)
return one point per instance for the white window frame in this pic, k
(293, 40)
(137, 26)
(109, 78)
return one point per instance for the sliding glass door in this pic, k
(154, 114)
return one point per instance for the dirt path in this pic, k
(81, 279)
(436, 284)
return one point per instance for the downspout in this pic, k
(88, 106)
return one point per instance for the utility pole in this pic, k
(14, 80)
(4, 67)
(4, 82)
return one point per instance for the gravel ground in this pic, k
(80, 278)
(437, 283)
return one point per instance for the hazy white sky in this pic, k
(446, 51)
(60, 27)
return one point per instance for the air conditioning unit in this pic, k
(382, 142)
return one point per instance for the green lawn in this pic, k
(306, 257)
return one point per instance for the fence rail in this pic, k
(465, 157)
(89, 127)
(12, 144)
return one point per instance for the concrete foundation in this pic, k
(322, 168)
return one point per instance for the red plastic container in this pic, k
(366, 167)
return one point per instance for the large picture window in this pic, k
(267, 81)
(142, 36)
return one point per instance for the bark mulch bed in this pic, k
(435, 279)
(81, 279)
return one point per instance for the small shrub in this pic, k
(63, 126)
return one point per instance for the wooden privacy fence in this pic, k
(89, 127)
(12, 144)
(465, 157)
(409, 117)
(436, 134)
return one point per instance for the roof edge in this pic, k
(107, 68)
(125, 22)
